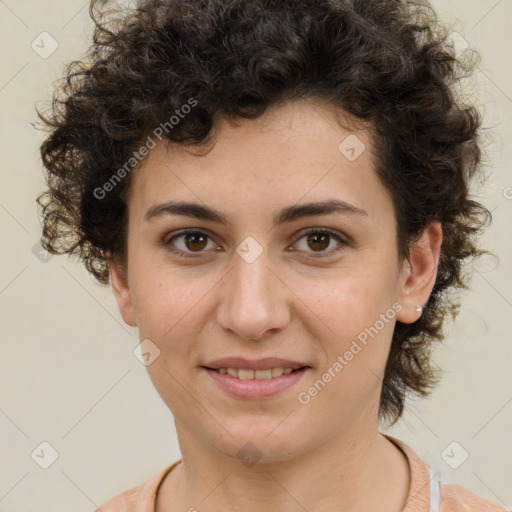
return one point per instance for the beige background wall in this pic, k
(68, 376)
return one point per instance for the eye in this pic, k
(319, 239)
(196, 241)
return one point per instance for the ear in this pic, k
(419, 272)
(119, 282)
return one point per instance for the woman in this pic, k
(278, 194)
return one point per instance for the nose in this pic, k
(254, 301)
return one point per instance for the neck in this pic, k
(366, 473)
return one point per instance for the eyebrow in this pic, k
(288, 214)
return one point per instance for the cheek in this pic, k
(163, 298)
(350, 375)
(346, 305)
(171, 312)
(354, 338)
(168, 307)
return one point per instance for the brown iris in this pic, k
(192, 241)
(319, 238)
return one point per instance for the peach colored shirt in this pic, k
(426, 492)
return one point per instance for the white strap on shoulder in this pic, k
(435, 491)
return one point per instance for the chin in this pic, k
(259, 444)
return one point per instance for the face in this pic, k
(269, 281)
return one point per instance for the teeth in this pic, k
(232, 371)
(263, 374)
(277, 372)
(245, 374)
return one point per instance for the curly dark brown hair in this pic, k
(387, 62)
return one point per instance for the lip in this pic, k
(255, 389)
(257, 364)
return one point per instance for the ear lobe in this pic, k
(119, 282)
(419, 273)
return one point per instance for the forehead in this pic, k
(302, 150)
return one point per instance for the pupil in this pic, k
(194, 237)
(324, 243)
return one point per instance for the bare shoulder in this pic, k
(455, 498)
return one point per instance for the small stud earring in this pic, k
(419, 309)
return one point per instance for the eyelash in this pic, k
(312, 231)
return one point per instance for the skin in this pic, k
(290, 303)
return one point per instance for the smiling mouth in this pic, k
(247, 374)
